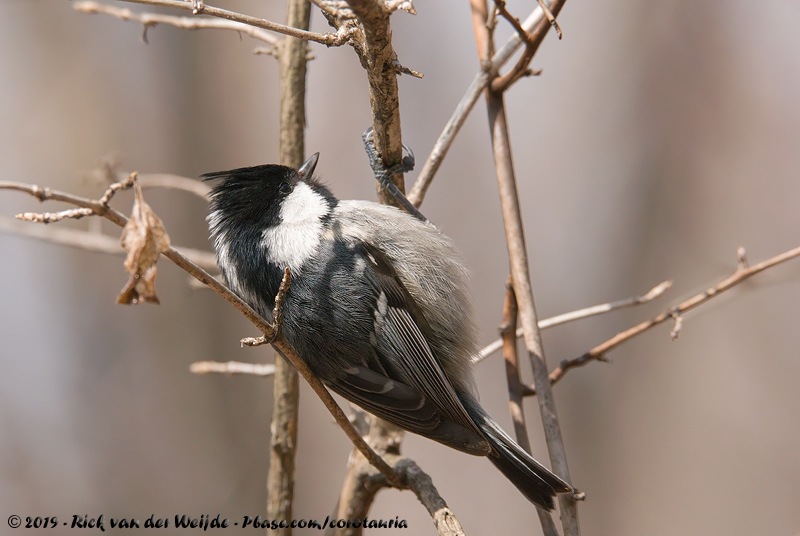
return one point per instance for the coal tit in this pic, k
(378, 307)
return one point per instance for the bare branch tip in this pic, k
(232, 367)
(254, 341)
(51, 217)
(267, 51)
(405, 70)
(277, 315)
(117, 186)
(446, 522)
(550, 18)
(602, 358)
(657, 290)
(401, 5)
(676, 330)
(741, 258)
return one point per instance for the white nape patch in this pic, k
(297, 237)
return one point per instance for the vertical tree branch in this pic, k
(280, 480)
(516, 389)
(378, 58)
(518, 259)
(373, 45)
(520, 276)
(519, 279)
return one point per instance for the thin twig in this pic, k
(514, 21)
(108, 172)
(328, 39)
(47, 194)
(742, 273)
(518, 260)
(277, 314)
(587, 312)
(232, 367)
(149, 20)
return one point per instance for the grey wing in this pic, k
(402, 348)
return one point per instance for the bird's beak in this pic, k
(307, 169)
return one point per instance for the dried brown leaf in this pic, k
(145, 239)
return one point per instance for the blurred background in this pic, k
(659, 138)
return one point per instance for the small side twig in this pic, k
(676, 330)
(277, 313)
(551, 18)
(117, 186)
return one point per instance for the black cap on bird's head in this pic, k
(255, 194)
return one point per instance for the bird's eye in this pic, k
(285, 188)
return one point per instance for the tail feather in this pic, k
(534, 480)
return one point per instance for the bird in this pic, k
(378, 306)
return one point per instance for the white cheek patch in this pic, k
(297, 237)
